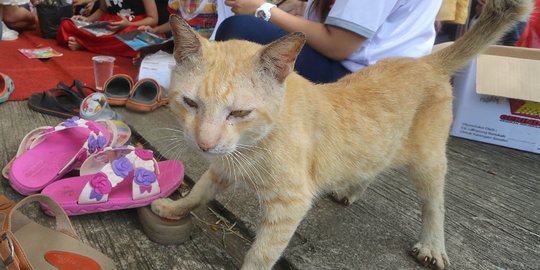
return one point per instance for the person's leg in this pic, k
(18, 18)
(310, 64)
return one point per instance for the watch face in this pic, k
(261, 14)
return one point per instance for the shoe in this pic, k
(27, 245)
(116, 178)
(48, 153)
(6, 87)
(146, 96)
(117, 89)
(63, 101)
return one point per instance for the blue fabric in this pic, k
(310, 64)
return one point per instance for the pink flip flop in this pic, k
(116, 178)
(48, 153)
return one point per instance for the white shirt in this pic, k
(393, 28)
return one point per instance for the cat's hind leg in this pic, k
(203, 191)
(429, 182)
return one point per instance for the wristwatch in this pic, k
(263, 11)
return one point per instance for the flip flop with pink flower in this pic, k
(116, 178)
(48, 153)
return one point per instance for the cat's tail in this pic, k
(496, 18)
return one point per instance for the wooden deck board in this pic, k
(492, 202)
(492, 217)
(118, 234)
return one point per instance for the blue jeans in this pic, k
(310, 63)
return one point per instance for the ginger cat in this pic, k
(242, 106)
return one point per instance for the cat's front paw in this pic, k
(430, 256)
(168, 208)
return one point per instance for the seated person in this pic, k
(201, 15)
(343, 36)
(85, 7)
(14, 16)
(124, 16)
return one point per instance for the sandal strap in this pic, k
(119, 135)
(95, 142)
(77, 88)
(11, 253)
(62, 221)
(51, 98)
(114, 165)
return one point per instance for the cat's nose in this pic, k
(205, 147)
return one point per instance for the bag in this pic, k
(50, 17)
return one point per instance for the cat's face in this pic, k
(227, 95)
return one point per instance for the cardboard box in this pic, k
(499, 102)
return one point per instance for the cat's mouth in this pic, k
(217, 152)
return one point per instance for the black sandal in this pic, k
(63, 101)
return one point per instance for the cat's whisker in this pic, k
(261, 166)
(171, 134)
(179, 152)
(249, 177)
(253, 148)
(227, 172)
(255, 151)
(255, 171)
(168, 136)
(170, 149)
(170, 129)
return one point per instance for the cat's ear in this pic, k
(187, 43)
(278, 57)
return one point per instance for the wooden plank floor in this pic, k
(118, 234)
(492, 206)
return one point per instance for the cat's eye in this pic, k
(240, 114)
(190, 103)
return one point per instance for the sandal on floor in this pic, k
(26, 245)
(117, 89)
(63, 101)
(116, 178)
(6, 87)
(48, 153)
(146, 96)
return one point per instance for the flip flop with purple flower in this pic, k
(48, 153)
(117, 178)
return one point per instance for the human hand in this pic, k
(480, 6)
(245, 7)
(438, 26)
(293, 7)
(119, 25)
(147, 28)
(79, 18)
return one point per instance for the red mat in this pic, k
(33, 75)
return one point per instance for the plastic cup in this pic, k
(103, 69)
(95, 107)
